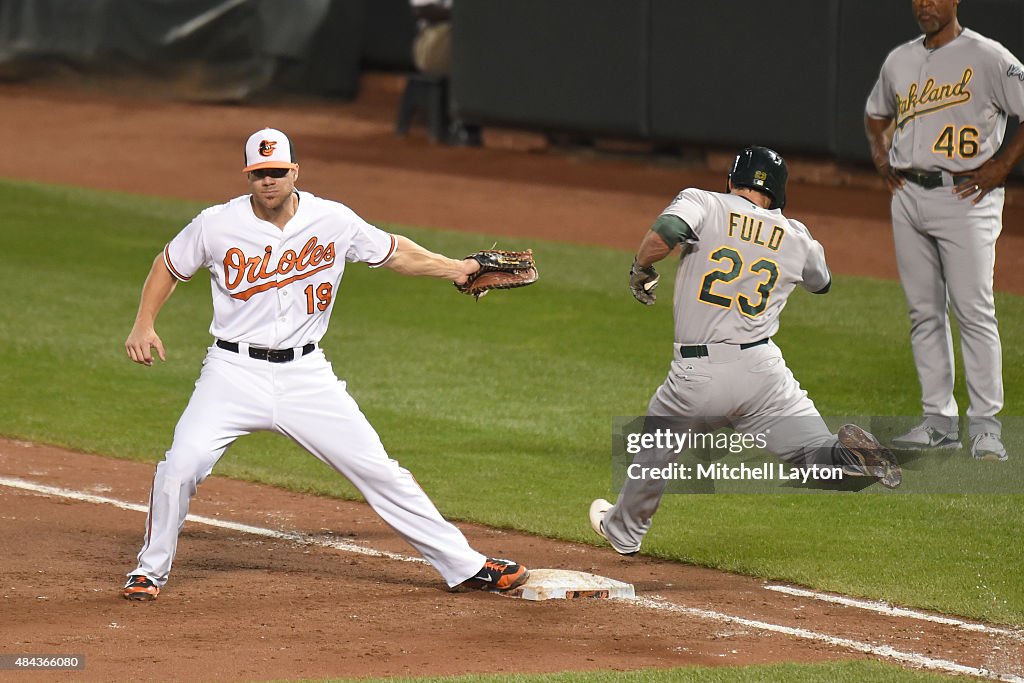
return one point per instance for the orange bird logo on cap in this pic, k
(267, 147)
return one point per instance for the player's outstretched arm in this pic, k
(156, 291)
(412, 259)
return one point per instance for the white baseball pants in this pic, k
(304, 400)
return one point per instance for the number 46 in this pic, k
(951, 144)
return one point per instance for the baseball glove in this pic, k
(500, 270)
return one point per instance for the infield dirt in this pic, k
(244, 608)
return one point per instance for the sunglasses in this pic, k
(261, 173)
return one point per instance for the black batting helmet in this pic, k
(762, 169)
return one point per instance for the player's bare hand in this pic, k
(893, 181)
(140, 345)
(990, 175)
(469, 266)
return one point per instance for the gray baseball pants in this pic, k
(946, 252)
(751, 390)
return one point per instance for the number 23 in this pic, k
(764, 289)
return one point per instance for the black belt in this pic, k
(700, 350)
(929, 179)
(269, 355)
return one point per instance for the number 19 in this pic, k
(322, 299)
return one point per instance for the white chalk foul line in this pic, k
(657, 603)
(886, 608)
(654, 602)
(292, 536)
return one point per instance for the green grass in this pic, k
(853, 671)
(423, 363)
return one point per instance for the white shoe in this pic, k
(598, 509)
(922, 436)
(987, 447)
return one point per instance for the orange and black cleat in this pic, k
(140, 588)
(497, 575)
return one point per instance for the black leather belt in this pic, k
(700, 350)
(929, 179)
(269, 355)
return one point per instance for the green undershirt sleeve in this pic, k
(672, 229)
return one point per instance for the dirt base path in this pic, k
(242, 607)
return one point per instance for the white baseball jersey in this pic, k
(950, 104)
(741, 265)
(275, 288)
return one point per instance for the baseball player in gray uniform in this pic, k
(947, 95)
(741, 259)
(275, 258)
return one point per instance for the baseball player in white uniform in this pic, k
(947, 94)
(741, 259)
(276, 257)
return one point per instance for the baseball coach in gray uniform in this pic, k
(741, 259)
(948, 94)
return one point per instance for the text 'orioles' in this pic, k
(238, 268)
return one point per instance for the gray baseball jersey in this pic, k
(950, 104)
(950, 107)
(741, 264)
